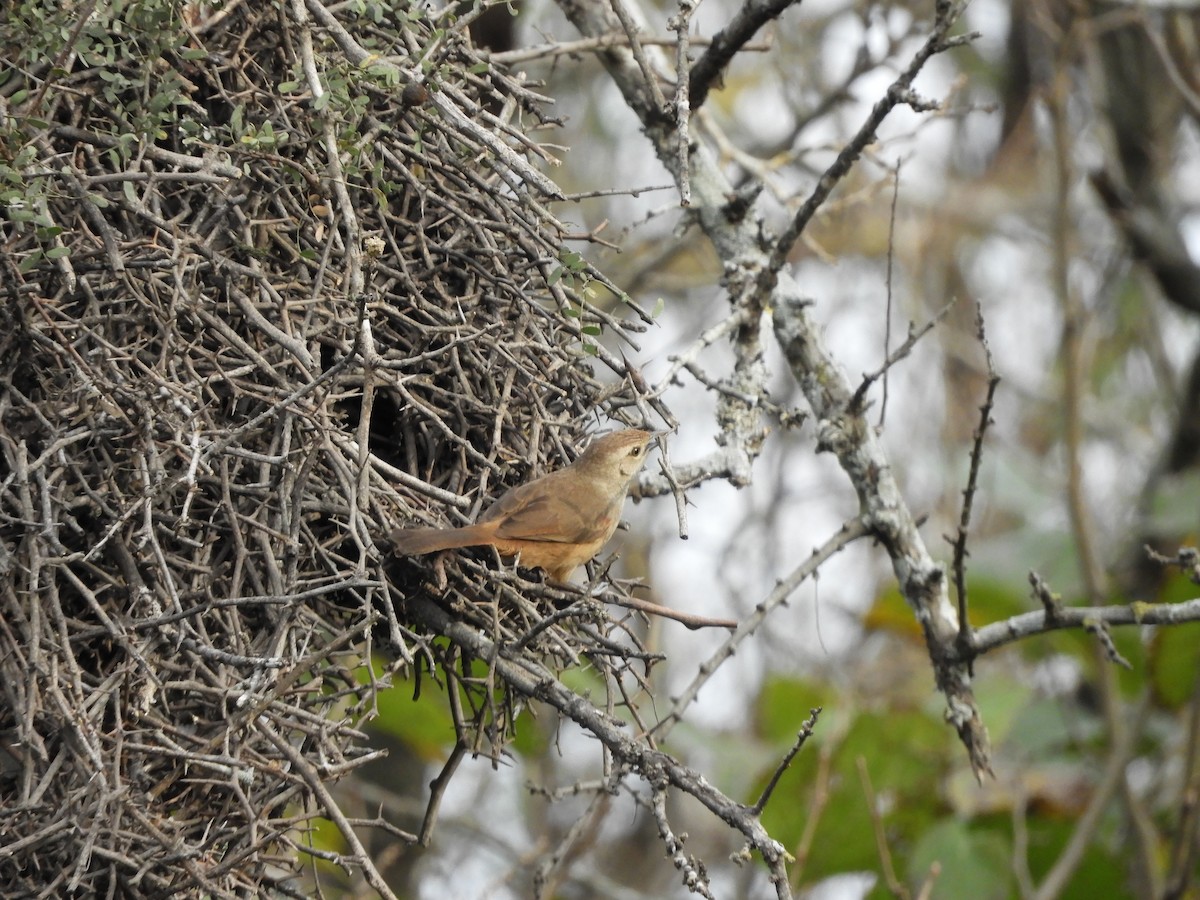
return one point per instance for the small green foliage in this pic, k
(572, 261)
(386, 76)
(30, 262)
(264, 138)
(134, 46)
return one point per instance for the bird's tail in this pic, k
(418, 541)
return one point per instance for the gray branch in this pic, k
(657, 768)
(757, 279)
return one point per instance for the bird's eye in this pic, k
(636, 451)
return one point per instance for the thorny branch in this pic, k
(806, 731)
(654, 766)
(996, 634)
(757, 279)
(901, 352)
(849, 533)
(959, 544)
(208, 415)
(899, 92)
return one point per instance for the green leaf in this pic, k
(1002, 699)
(1174, 662)
(571, 260)
(971, 862)
(1044, 728)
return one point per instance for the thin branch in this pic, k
(1104, 637)
(679, 361)
(681, 25)
(1187, 559)
(816, 807)
(899, 92)
(664, 466)
(529, 679)
(649, 77)
(437, 790)
(1088, 823)
(1020, 850)
(546, 875)
(1190, 97)
(598, 45)
(806, 731)
(315, 782)
(442, 100)
(1186, 842)
(727, 42)
(959, 544)
(931, 877)
(847, 534)
(582, 609)
(688, 619)
(1016, 628)
(887, 312)
(895, 885)
(216, 448)
(922, 580)
(695, 878)
(855, 406)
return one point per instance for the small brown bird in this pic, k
(556, 522)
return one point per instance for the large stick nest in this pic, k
(214, 404)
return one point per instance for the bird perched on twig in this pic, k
(556, 522)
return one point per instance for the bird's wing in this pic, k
(537, 512)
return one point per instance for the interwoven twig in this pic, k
(206, 427)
